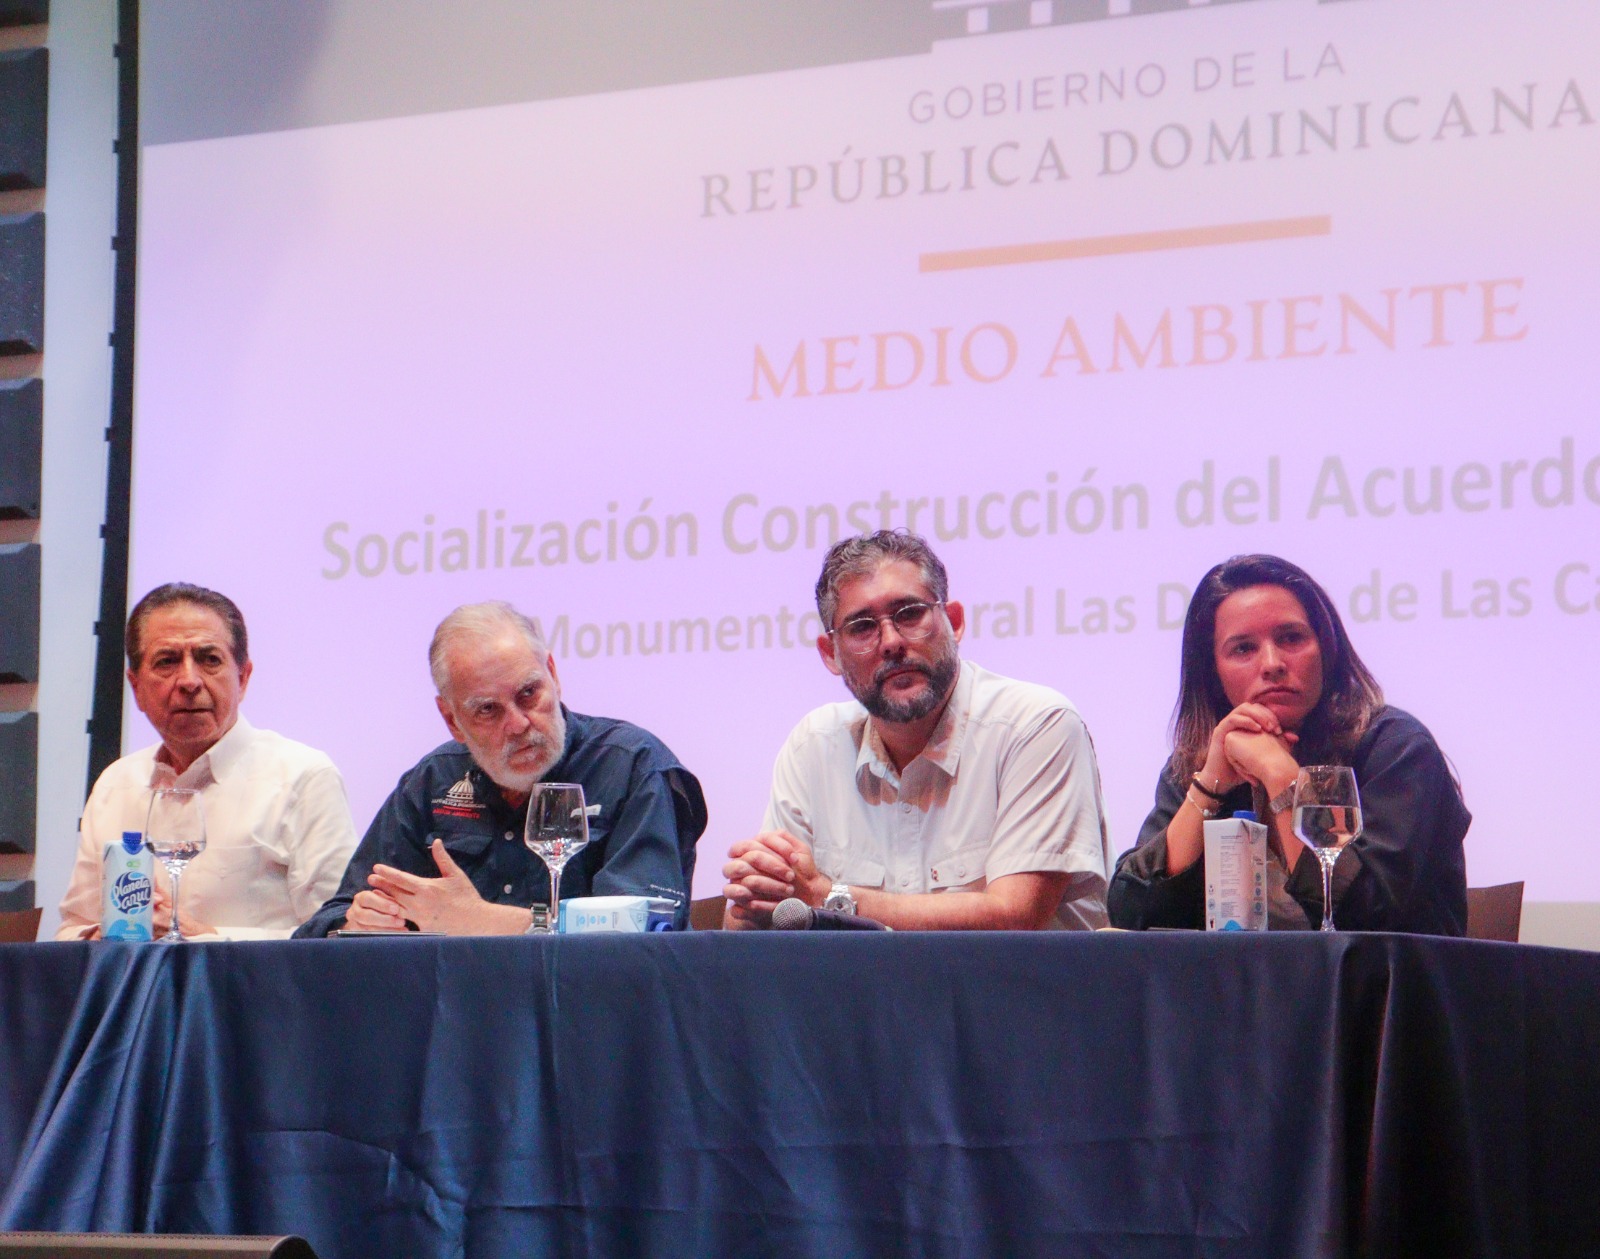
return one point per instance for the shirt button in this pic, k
(507, 888)
(905, 808)
(509, 836)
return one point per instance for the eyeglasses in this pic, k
(912, 621)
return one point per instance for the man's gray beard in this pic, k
(550, 751)
(941, 675)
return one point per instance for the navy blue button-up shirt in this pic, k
(641, 842)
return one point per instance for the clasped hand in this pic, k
(161, 915)
(770, 868)
(1249, 745)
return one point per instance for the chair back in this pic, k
(19, 926)
(706, 914)
(1495, 913)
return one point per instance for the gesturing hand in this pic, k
(448, 903)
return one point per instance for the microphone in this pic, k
(795, 915)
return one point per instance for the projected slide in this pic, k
(1092, 304)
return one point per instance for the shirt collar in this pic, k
(944, 745)
(950, 735)
(212, 765)
(493, 798)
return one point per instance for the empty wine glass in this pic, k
(557, 829)
(175, 830)
(1327, 816)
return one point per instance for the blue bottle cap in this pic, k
(132, 842)
(1244, 815)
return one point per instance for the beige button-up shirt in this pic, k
(278, 833)
(1007, 785)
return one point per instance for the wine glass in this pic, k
(175, 831)
(557, 829)
(1327, 816)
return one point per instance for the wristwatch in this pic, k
(839, 899)
(1283, 800)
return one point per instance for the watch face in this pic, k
(840, 902)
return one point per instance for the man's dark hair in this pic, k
(858, 556)
(183, 592)
(1351, 696)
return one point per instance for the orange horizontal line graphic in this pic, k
(1127, 243)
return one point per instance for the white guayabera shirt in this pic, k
(1008, 784)
(278, 834)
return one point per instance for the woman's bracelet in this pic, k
(1206, 812)
(1218, 796)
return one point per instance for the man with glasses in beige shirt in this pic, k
(940, 778)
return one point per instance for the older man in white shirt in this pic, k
(278, 825)
(942, 777)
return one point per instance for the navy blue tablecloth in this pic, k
(936, 1095)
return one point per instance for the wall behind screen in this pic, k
(622, 314)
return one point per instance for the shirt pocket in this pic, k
(236, 886)
(958, 868)
(857, 871)
(466, 847)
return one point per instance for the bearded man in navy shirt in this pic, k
(445, 852)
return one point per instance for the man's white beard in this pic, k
(549, 750)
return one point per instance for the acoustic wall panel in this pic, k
(21, 283)
(24, 95)
(19, 612)
(19, 772)
(21, 448)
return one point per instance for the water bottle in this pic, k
(127, 890)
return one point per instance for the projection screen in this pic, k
(625, 312)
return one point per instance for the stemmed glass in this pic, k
(557, 829)
(175, 831)
(1327, 816)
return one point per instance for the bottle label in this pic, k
(131, 892)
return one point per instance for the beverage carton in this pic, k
(1236, 874)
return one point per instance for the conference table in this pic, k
(808, 1094)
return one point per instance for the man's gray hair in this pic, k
(863, 555)
(479, 621)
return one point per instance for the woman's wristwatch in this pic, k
(1283, 800)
